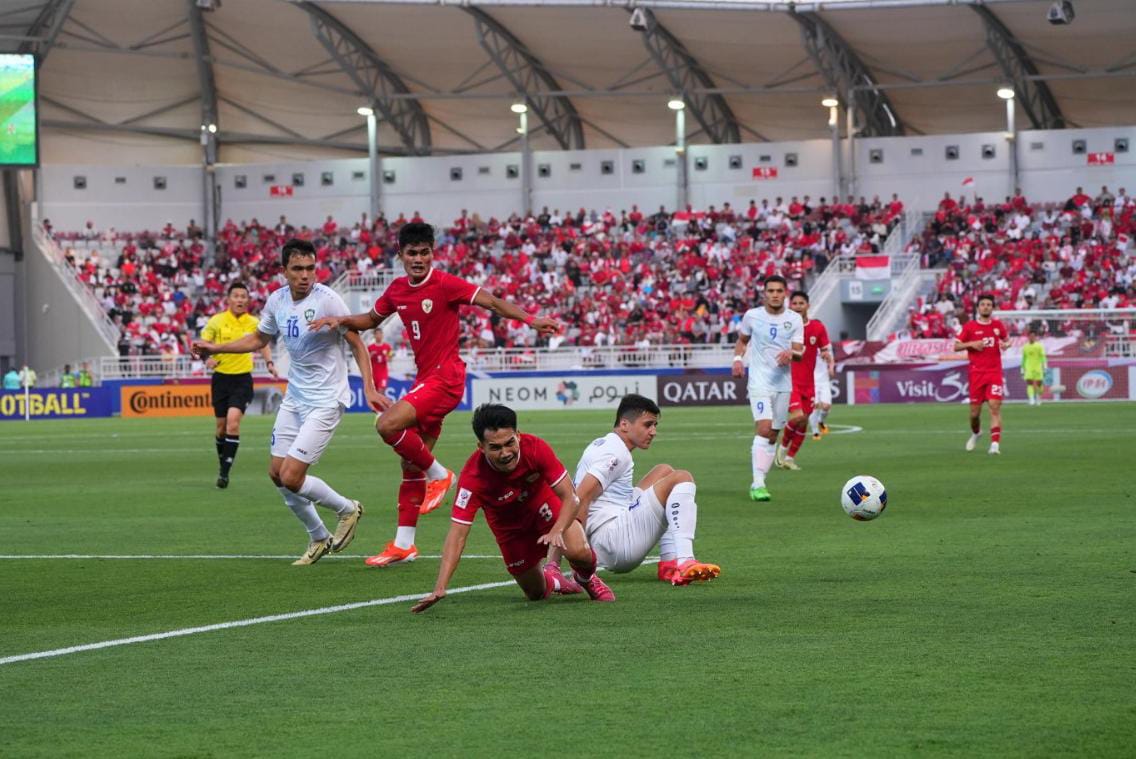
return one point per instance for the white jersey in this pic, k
(317, 374)
(820, 373)
(770, 334)
(608, 460)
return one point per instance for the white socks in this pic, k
(762, 451)
(682, 518)
(436, 471)
(404, 537)
(315, 489)
(814, 421)
(305, 511)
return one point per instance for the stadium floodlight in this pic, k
(519, 108)
(212, 128)
(1006, 92)
(830, 102)
(365, 110)
(676, 104)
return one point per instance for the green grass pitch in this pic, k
(989, 611)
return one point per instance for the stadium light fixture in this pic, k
(1006, 93)
(364, 110)
(212, 128)
(676, 104)
(519, 108)
(830, 102)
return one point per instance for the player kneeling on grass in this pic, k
(529, 503)
(624, 522)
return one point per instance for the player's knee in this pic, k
(681, 475)
(233, 427)
(274, 475)
(387, 427)
(292, 479)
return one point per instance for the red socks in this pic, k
(995, 434)
(410, 496)
(409, 446)
(584, 570)
(795, 436)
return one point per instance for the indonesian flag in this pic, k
(968, 182)
(1122, 241)
(873, 267)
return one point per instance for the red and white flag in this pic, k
(873, 267)
(968, 182)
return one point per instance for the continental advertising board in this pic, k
(153, 401)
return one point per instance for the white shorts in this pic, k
(824, 392)
(622, 543)
(774, 406)
(304, 432)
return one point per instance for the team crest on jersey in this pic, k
(309, 314)
(788, 324)
(427, 305)
(812, 340)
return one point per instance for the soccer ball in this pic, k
(863, 498)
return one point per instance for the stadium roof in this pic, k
(283, 78)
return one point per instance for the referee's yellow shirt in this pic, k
(224, 328)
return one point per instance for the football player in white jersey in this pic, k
(316, 398)
(624, 521)
(771, 336)
(823, 382)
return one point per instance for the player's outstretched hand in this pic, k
(738, 369)
(426, 603)
(545, 326)
(553, 538)
(325, 321)
(202, 349)
(377, 401)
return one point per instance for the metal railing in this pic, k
(87, 301)
(369, 281)
(889, 316)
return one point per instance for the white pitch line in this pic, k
(240, 623)
(174, 556)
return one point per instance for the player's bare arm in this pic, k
(829, 359)
(451, 555)
(266, 354)
(590, 489)
(377, 400)
(357, 322)
(569, 506)
(739, 355)
(247, 344)
(542, 324)
(795, 353)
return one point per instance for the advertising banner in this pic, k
(56, 403)
(191, 399)
(951, 384)
(580, 391)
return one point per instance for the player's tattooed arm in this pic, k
(451, 555)
(739, 355)
(247, 344)
(357, 322)
(544, 325)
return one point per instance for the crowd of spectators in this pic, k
(614, 278)
(1054, 256)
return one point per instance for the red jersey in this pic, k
(429, 311)
(380, 357)
(989, 359)
(815, 337)
(509, 498)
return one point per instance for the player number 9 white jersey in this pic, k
(770, 334)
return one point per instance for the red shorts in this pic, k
(517, 539)
(435, 397)
(802, 399)
(986, 387)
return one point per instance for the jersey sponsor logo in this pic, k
(463, 498)
(517, 563)
(402, 308)
(508, 494)
(427, 305)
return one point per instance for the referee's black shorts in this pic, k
(231, 391)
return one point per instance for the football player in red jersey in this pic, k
(529, 503)
(803, 397)
(984, 338)
(427, 300)
(380, 353)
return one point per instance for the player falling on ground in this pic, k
(1034, 364)
(380, 353)
(624, 521)
(802, 399)
(427, 301)
(316, 398)
(775, 333)
(529, 503)
(231, 386)
(822, 381)
(984, 338)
